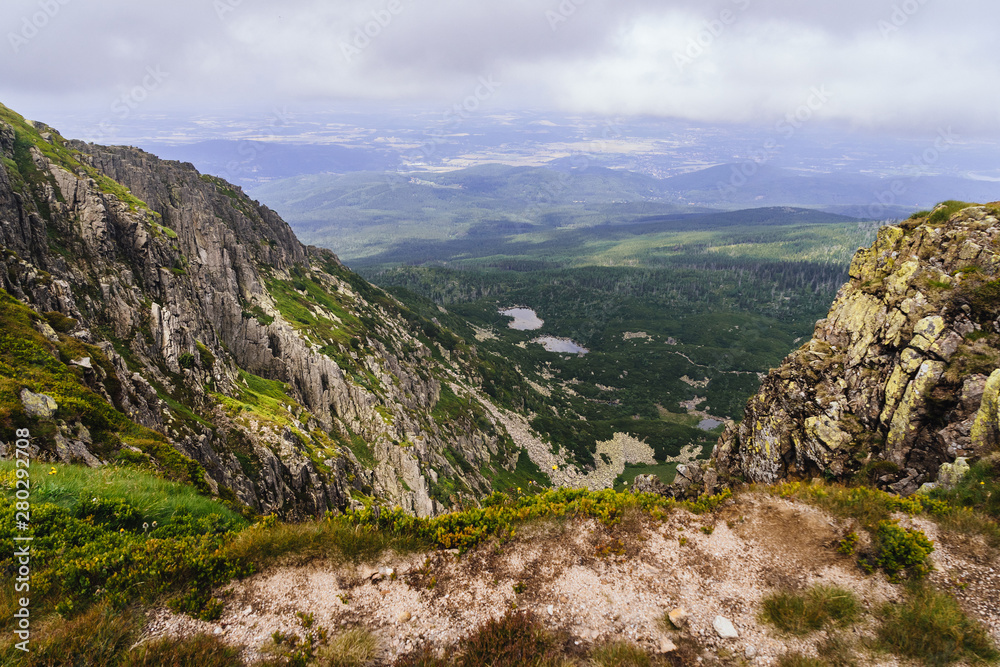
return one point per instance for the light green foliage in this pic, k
(899, 550)
(94, 543)
(500, 513)
(266, 400)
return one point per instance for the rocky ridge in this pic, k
(900, 377)
(291, 385)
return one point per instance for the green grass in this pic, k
(266, 400)
(943, 211)
(664, 471)
(800, 613)
(154, 498)
(526, 477)
(930, 627)
(622, 654)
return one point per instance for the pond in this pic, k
(553, 344)
(525, 319)
(709, 424)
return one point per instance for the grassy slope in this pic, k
(199, 546)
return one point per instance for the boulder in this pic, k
(39, 406)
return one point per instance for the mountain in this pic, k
(156, 316)
(900, 377)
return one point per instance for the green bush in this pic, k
(899, 550)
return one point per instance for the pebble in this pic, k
(725, 628)
(678, 617)
(551, 610)
(751, 652)
(666, 646)
(405, 617)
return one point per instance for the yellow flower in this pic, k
(52, 471)
(555, 467)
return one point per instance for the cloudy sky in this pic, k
(901, 66)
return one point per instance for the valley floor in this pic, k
(597, 584)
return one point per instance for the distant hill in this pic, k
(363, 213)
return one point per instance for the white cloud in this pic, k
(890, 64)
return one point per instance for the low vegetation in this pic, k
(930, 627)
(800, 613)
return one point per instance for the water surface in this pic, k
(525, 319)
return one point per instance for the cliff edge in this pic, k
(900, 377)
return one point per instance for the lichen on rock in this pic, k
(894, 372)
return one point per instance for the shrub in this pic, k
(514, 640)
(186, 360)
(849, 544)
(802, 613)
(931, 627)
(901, 549)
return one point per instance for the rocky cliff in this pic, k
(901, 376)
(183, 326)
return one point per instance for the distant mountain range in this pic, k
(360, 213)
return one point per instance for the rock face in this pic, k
(289, 380)
(901, 375)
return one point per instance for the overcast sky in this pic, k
(889, 65)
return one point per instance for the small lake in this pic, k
(553, 344)
(709, 424)
(525, 319)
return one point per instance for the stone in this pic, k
(405, 617)
(725, 628)
(649, 484)
(678, 617)
(951, 474)
(751, 652)
(38, 405)
(47, 331)
(666, 645)
(83, 363)
(986, 428)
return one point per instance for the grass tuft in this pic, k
(201, 650)
(799, 660)
(931, 627)
(351, 648)
(94, 639)
(621, 654)
(802, 613)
